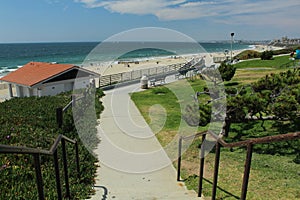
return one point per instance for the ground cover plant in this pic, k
(31, 122)
(275, 170)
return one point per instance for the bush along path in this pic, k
(31, 122)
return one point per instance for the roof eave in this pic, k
(56, 75)
(15, 83)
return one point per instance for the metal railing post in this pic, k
(247, 171)
(73, 100)
(77, 159)
(179, 158)
(39, 179)
(201, 171)
(59, 116)
(63, 144)
(57, 176)
(216, 171)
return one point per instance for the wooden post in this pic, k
(216, 171)
(247, 171)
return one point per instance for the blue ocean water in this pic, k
(15, 55)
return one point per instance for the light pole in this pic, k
(232, 34)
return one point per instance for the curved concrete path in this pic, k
(133, 165)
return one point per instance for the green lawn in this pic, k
(276, 62)
(274, 175)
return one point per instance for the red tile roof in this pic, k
(35, 72)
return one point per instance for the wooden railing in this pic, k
(221, 143)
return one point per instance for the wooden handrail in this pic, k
(220, 142)
(267, 139)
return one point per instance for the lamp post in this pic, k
(232, 34)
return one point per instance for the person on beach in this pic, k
(297, 52)
(292, 54)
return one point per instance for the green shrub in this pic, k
(266, 55)
(227, 71)
(297, 159)
(31, 122)
(248, 54)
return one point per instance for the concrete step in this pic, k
(140, 195)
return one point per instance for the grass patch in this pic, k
(271, 177)
(159, 96)
(248, 75)
(276, 62)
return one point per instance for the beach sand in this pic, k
(115, 68)
(261, 48)
(121, 67)
(4, 94)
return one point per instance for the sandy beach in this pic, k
(4, 95)
(120, 67)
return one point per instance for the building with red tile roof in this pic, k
(46, 79)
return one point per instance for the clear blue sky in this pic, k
(96, 20)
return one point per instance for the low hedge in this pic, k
(31, 122)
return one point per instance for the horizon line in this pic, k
(200, 41)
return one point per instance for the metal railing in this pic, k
(221, 143)
(61, 110)
(137, 74)
(36, 153)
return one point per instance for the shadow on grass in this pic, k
(253, 129)
(233, 83)
(196, 179)
(223, 190)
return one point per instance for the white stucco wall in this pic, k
(51, 89)
(82, 83)
(19, 91)
(23, 91)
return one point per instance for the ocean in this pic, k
(15, 55)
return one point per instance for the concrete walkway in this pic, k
(133, 165)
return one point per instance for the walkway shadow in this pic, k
(104, 196)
